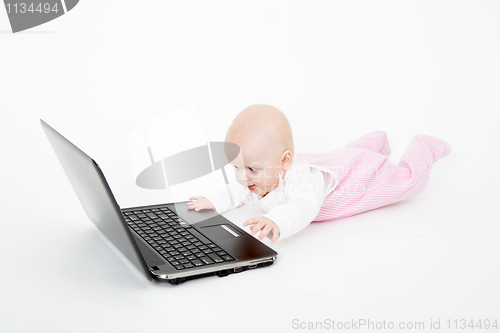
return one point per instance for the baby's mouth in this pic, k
(252, 187)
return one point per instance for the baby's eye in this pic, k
(251, 169)
(235, 167)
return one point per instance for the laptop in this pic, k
(166, 242)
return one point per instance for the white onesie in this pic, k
(292, 205)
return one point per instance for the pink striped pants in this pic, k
(367, 180)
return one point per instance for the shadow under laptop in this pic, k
(90, 262)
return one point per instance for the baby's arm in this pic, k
(223, 199)
(304, 197)
(293, 216)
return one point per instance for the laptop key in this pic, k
(207, 260)
(215, 257)
(227, 258)
(179, 267)
(197, 262)
(188, 265)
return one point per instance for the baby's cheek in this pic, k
(261, 181)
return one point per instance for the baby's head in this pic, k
(265, 139)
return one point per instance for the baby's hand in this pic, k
(266, 225)
(200, 203)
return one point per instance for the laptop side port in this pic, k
(252, 266)
(238, 269)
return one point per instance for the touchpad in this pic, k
(220, 231)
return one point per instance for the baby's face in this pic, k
(263, 135)
(257, 170)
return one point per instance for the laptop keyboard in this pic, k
(174, 239)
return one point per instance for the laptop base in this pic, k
(221, 273)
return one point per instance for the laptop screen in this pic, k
(95, 196)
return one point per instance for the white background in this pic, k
(337, 69)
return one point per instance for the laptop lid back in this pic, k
(96, 197)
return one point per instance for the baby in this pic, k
(296, 189)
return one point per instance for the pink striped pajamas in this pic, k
(367, 180)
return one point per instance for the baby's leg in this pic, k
(362, 191)
(375, 141)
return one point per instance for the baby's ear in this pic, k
(286, 160)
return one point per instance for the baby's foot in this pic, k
(438, 147)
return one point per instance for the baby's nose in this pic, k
(242, 178)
